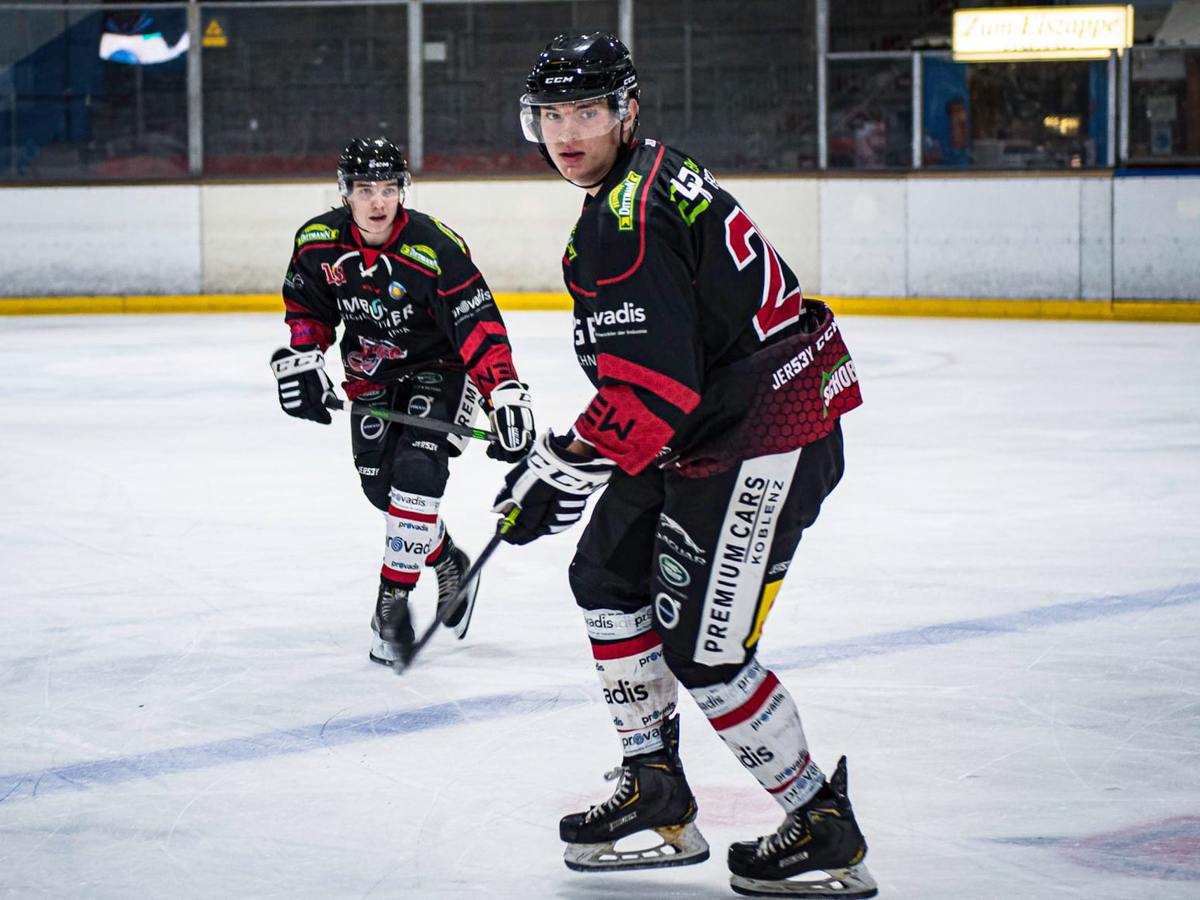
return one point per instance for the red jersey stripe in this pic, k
(455, 290)
(642, 223)
(398, 577)
(750, 708)
(477, 337)
(674, 392)
(631, 647)
(433, 557)
(622, 428)
(805, 759)
(783, 787)
(411, 516)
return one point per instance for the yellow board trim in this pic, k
(935, 307)
(967, 308)
(764, 608)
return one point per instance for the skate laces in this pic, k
(449, 574)
(791, 831)
(389, 601)
(620, 795)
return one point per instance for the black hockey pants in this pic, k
(708, 555)
(410, 459)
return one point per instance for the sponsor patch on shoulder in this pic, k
(620, 200)
(449, 232)
(422, 253)
(316, 233)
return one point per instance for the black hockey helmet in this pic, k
(372, 159)
(577, 67)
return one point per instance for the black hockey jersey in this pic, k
(677, 294)
(417, 302)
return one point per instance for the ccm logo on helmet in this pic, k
(560, 79)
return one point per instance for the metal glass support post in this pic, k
(822, 88)
(416, 87)
(195, 92)
(1110, 155)
(918, 125)
(1123, 114)
(687, 77)
(625, 23)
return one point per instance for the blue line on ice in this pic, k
(305, 738)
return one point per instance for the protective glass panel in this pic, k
(861, 25)
(477, 57)
(1164, 101)
(286, 88)
(93, 95)
(1015, 115)
(870, 113)
(732, 83)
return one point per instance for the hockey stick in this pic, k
(450, 607)
(420, 421)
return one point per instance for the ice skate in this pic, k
(817, 852)
(652, 801)
(392, 627)
(450, 570)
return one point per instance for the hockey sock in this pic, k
(442, 543)
(758, 720)
(638, 687)
(414, 532)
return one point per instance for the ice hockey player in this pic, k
(715, 427)
(422, 335)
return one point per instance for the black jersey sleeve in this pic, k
(649, 356)
(310, 310)
(468, 314)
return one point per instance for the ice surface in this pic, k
(996, 619)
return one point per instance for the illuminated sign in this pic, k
(1059, 32)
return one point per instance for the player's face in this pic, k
(374, 204)
(583, 138)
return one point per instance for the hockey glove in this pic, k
(550, 486)
(303, 384)
(512, 420)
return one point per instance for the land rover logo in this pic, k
(673, 571)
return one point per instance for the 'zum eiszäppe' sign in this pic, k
(1059, 32)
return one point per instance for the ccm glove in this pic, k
(550, 486)
(512, 420)
(303, 384)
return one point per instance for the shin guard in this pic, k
(758, 720)
(414, 532)
(638, 687)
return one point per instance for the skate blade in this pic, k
(385, 653)
(681, 845)
(852, 883)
